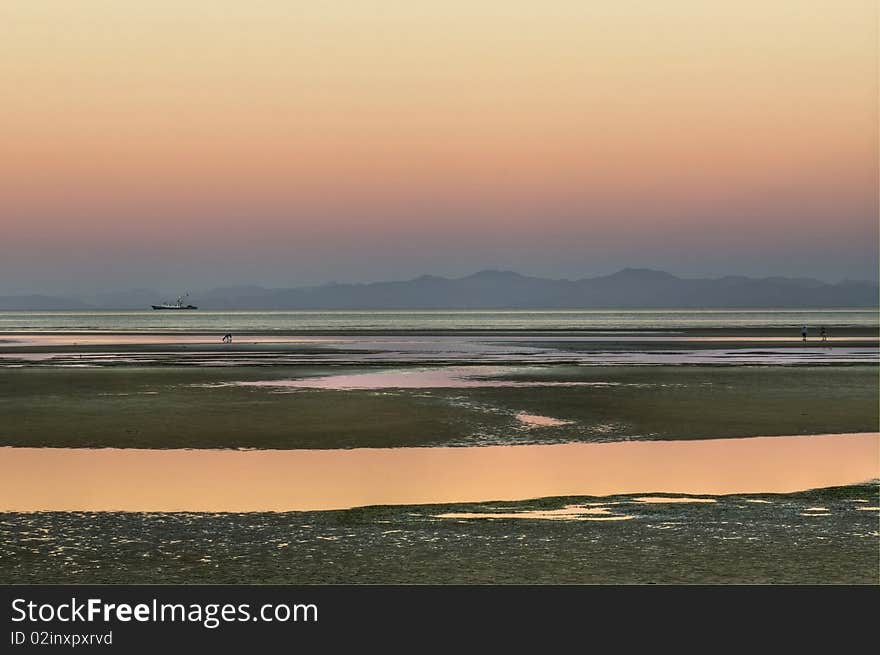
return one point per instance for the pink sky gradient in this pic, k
(187, 144)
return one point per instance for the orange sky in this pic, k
(389, 130)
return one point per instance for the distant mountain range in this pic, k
(629, 288)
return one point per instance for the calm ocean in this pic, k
(282, 321)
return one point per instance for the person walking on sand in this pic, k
(804, 333)
(823, 333)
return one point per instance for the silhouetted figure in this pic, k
(804, 333)
(227, 338)
(823, 333)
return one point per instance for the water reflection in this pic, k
(537, 421)
(449, 377)
(677, 499)
(568, 513)
(43, 479)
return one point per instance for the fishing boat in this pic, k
(177, 305)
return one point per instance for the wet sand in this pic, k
(756, 538)
(248, 481)
(415, 348)
(611, 447)
(85, 339)
(272, 407)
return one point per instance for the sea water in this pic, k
(292, 321)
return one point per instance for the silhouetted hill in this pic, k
(628, 288)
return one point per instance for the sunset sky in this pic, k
(185, 144)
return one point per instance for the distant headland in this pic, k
(629, 288)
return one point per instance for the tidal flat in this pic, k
(262, 407)
(822, 536)
(205, 450)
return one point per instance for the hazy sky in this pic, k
(183, 145)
